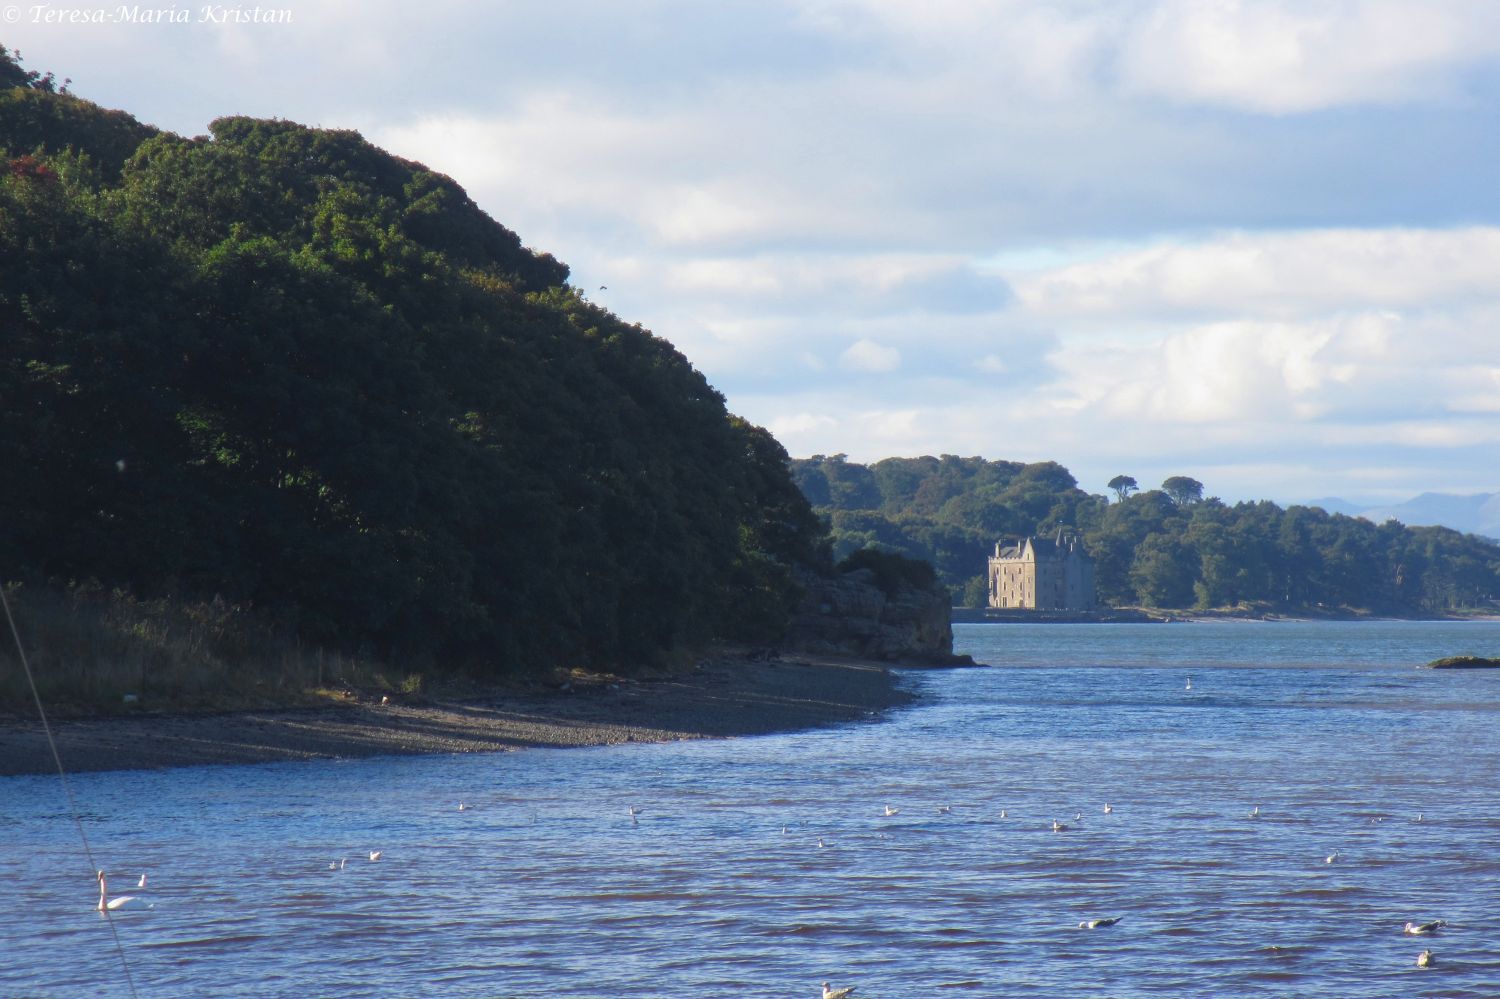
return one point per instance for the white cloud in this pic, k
(1286, 56)
(869, 356)
(1277, 274)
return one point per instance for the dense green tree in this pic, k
(279, 365)
(1156, 548)
(1184, 491)
(1123, 486)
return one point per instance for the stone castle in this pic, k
(1041, 574)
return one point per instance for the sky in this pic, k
(1256, 243)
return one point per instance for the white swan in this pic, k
(107, 904)
(829, 992)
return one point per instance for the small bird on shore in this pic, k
(1331, 857)
(889, 811)
(1094, 924)
(375, 854)
(1058, 826)
(1422, 929)
(1425, 959)
(829, 992)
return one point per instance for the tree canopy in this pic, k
(1166, 547)
(280, 365)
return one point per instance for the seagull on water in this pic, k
(1331, 857)
(1422, 929)
(889, 811)
(945, 809)
(1108, 808)
(1255, 812)
(1424, 960)
(375, 854)
(1189, 684)
(820, 842)
(1094, 924)
(633, 813)
(1058, 826)
(1419, 816)
(337, 865)
(1077, 816)
(829, 992)
(1002, 813)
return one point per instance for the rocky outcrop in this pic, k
(851, 615)
(1464, 662)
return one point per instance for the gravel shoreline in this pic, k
(727, 695)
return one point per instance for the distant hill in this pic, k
(1167, 547)
(1478, 513)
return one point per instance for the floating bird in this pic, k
(1077, 816)
(1002, 813)
(1424, 960)
(1094, 924)
(945, 809)
(142, 882)
(1108, 808)
(462, 807)
(1419, 816)
(1058, 826)
(820, 842)
(337, 865)
(633, 813)
(1189, 684)
(1331, 857)
(829, 992)
(889, 811)
(783, 831)
(375, 854)
(107, 904)
(1422, 929)
(1255, 812)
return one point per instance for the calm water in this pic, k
(543, 887)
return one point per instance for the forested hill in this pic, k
(280, 366)
(1168, 547)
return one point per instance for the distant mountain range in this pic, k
(1476, 514)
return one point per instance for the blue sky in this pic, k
(1257, 243)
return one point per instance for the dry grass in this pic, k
(99, 652)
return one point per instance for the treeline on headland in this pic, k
(278, 368)
(1167, 547)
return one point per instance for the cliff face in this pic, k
(851, 615)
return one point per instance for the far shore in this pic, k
(729, 694)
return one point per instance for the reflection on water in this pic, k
(543, 886)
